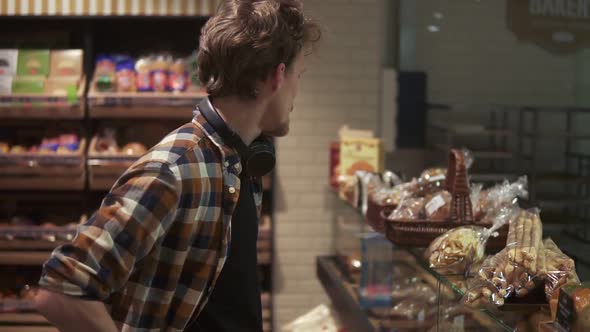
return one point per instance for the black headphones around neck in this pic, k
(258, 159)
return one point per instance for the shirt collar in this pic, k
(231, 158)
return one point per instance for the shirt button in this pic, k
(232, 190)
(226, 164)
(237, 166)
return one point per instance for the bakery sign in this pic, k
(560, 26)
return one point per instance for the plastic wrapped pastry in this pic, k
(504, 194)
(516, 268)
(413, 309)
(410, 208)
(559, 268)
(439, 206)
(455, 250)
(458, 249)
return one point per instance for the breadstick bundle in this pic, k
(525, 251)
(560, 269)
(490, 285)
(518, 267)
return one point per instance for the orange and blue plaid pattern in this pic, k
(155, 247)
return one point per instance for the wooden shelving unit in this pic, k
(43, 106)
(142, 105)
(91, 176)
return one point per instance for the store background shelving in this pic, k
(545, 143)
(57, 193)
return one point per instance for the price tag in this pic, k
(435, 204)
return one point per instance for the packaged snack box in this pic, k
(361, 154)
(33, 62)
(28, 84)
(67, 85)
(8, 60)
(66, 63)
(5, 84)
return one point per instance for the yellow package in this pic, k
(361, 154)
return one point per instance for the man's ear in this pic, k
(278, 76)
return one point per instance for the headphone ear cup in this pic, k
(260, 159)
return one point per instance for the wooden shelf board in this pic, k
(42, 112)
(22, 318)
(24, 257)
(142, 112)
(49, 182)
(145, 105)
(14, 245)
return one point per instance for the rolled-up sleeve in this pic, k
(134, 215)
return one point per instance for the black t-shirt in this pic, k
(234, 304)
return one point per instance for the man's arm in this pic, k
(81, 275)
(71, 314)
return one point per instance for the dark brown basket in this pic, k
(419, 233)
(375, 213)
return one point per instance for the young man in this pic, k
(173, 245)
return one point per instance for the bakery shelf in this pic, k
(37, 171)
(343, 296)
(13, 257)
(560, 177)
(493, 177)
(35, 237)
(104, 171)
(450, 288)
(548, 201)
(42, 106)
(556, 134)
(147, 105)
(478, 154)
(13, 245)
(470, 130)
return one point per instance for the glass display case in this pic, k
(422, 299)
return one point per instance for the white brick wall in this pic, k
(340, 87)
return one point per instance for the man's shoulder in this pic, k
(185, 145)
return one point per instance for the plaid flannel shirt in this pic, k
(154, 249)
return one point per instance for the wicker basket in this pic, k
(419, 233)
(375, 213)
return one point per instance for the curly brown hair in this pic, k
(247, 39)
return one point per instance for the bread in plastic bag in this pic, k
(416, 290)
(504, 194)
(438, 206)
(431, 180)
(560, 269)
(393, 196)
(410, 208)
(517, 268)
(476, 189)
(456, 250)
(413, 309)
